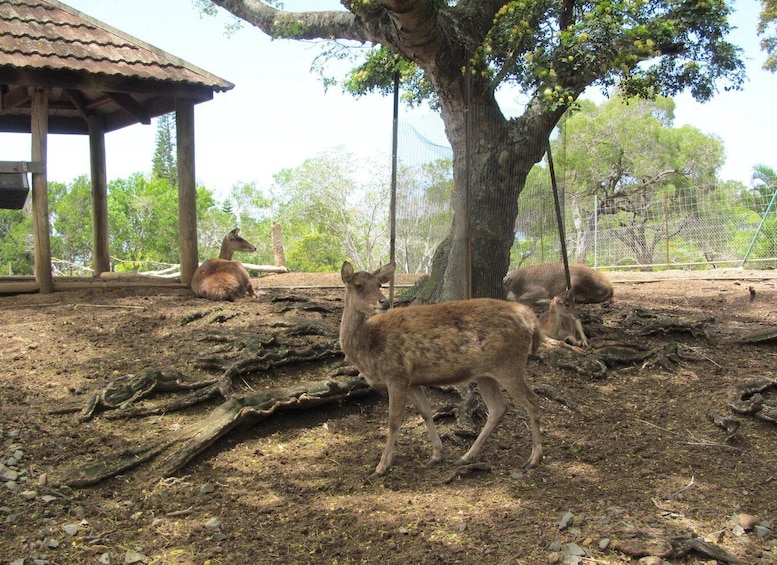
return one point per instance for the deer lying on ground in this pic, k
(223, 278)
(561, 321)
(402, 350)
(542, 282)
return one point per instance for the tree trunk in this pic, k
(492, 157)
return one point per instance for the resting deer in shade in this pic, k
(223, 278)
(562, 321)
(543, 282)
(404, 349)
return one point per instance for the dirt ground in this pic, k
(633, 460)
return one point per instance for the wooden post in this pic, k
(187, 189)
(100, 253)
(277, 245)
(39, 127)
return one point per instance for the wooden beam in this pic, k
(79, 102)
(40, 199)
(187, 189)
(16, 97)
(131, 106)
(101, 261)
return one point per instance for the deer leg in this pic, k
(397, 394)
(526, 397)
(579, 328)
(495, 403)
(421, 403)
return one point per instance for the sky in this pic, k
(278, 115)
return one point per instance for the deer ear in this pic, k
(346, 272)
(384, 273)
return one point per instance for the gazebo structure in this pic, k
(64, 72)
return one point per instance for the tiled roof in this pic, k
(47, 43)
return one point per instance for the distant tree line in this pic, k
(620, 164)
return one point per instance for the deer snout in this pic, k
(382, 305)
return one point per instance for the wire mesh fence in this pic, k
(694, 227)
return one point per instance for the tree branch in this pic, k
(282, 24)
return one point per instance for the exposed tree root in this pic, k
(181, 446)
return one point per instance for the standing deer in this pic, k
(402, 350)
(542, 282)
(562, 322)
(223, 278)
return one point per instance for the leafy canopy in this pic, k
(649, 47)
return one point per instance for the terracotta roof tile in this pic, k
(47, 43)
(46, 34)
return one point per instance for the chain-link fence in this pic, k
(689, 227)
(696, 229)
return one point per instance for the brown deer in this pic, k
(223, 278)
(562, 322)
(542, 282)
(404, 349)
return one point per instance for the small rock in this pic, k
(650, 560)
(762, 531)
(747, 521)
(573, 550)
(70, 529)
(51, 543)
(555, 546)
(134, 557)
(566, 521)
(12, 486)
(604, 543)
(554, 557)
(207, 488)
(28, 494)
(9, 475)
(105, 559)
(213, 524)
(518, 475)
(48, 498)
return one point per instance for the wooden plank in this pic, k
(20, 167)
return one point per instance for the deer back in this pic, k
(432, 344)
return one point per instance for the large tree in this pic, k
(459, 53)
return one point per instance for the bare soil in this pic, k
(636, 459)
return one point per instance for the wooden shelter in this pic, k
(64, 72)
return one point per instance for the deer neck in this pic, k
(226, 252)
(354, 331)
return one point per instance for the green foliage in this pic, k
(143, 215)
(315, 252)
(377, 72)
(16, 248)
(328, 195)
(767, 28)
(165, 160)
(648, 47)
(70, 214)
